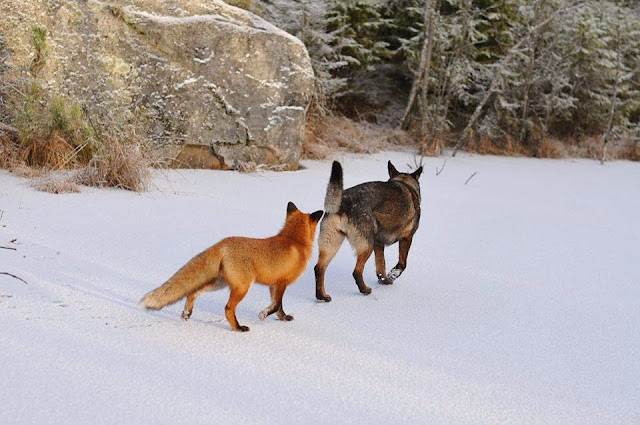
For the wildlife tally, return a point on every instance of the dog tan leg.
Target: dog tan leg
(329, 241)
(237, 294)
(381, 268)
(405, 245)
(363, 256)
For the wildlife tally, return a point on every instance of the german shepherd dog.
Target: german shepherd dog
(371, 216)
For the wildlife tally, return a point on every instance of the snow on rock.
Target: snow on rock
(519, 303)
(157, 61)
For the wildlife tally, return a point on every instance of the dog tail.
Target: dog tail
(334, 190)
(201, 269)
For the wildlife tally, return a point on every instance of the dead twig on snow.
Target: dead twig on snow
(15, 277)
(440, 171)
(470, 177)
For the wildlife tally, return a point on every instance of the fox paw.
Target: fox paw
(186, 315)
(287, 318)
(325, 298)
(382, 280)
(263, 314)
(242, 328)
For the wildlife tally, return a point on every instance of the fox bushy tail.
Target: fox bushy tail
(200, 270)
(333, 199)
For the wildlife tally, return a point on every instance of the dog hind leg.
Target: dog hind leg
(329, 241)
(363, 256)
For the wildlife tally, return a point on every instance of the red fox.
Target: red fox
(237, 262)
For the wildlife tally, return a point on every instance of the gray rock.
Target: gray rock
(211, 85)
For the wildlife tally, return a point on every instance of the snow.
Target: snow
(186, 82)
(205, 60)
(231, 18)
(520, 303)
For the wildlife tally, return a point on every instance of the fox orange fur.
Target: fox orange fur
(237, 262)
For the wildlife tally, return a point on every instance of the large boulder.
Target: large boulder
(211, 84)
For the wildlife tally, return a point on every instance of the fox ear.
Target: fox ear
(291, 207)
(392, 170)
(316, 216)
(416, 174)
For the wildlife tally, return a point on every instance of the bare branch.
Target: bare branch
(14, 276)
(440, 171)
(471, 176)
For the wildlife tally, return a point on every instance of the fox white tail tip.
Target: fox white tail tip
(150, 302)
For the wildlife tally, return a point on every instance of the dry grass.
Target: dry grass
(247, 167)
(252, 167)
(621, 149)
(507, 146)
(331, 133)
(54, 152)
(432, 147)
(551, 148)
(56, 184)
(117, 164)
(22, 170)
(8, 152)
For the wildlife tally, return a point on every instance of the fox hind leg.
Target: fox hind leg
(188, 305)
(277, 293)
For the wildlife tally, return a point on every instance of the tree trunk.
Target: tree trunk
(614, 98)
(427, 70)
(524, 131)
(425, 61)
(466, 10)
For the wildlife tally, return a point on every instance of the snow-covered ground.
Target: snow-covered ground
(520, 303)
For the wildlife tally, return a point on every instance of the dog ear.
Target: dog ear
(316, 216)
(392, 170)
(291, 207)
(416, 174)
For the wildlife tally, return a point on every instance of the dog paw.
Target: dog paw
(382, 280)
(394, 274)
(366, 290)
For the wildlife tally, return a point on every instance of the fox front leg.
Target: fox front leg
(236, 295)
